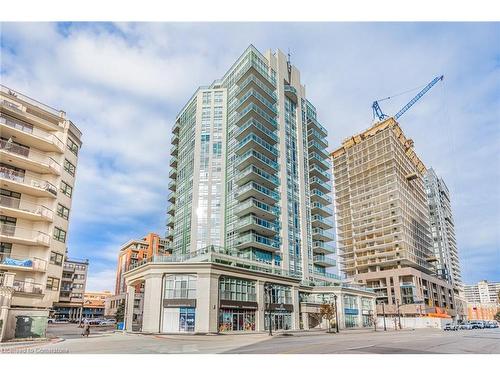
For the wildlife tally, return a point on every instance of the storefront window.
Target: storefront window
(186, 319)
(350, 302)
(279, 320)
(351, 321)
(236, 320)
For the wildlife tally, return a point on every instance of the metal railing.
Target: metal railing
(30, 153)
(29, 100)
(10, 230)
(30, 129)
(22, 205)
(25, 286)
(27, 178)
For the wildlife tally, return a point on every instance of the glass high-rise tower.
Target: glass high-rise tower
(250, 171)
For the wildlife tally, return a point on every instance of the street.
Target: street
(68, 339)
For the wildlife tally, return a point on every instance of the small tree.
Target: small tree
(497, 316)
(120, 312)
(327, 312)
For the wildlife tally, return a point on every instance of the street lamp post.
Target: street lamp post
(268, 289)
(336, 314)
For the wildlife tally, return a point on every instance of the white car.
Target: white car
(107, 322)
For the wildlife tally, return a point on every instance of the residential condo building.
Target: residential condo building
(249, 218)
(383, 228)
(483, 292)
(73, 283)
(39, 149)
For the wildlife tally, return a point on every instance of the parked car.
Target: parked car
(107, 322)
(61, 320)
(477, 324)
(450, 327)
(465, 326)
(51, 320)
(491, 324)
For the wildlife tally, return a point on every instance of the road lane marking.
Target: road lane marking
(360, 347)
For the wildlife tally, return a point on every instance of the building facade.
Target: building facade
(483, 300)
(93, 304)
(71, 296)
(383, 222)
(39, 149)
(249, 210)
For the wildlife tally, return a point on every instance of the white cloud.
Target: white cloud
(99, 281)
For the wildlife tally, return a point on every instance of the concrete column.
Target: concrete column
(8, 279)
(152, 304)
(305, 320)
(340, 307)
(207, 286)
(360, 312)
(296, 306)
(129, 307)
(261, 306)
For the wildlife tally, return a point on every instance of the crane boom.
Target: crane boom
(377, 111)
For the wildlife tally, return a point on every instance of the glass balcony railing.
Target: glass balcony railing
(320, 245)
(264, 159)
(252, 93)
(254, 138)
(28, 287)
(254, 237)
(27, 179)
(319, 126)
(325, 174)
(15, 232)
(274, 226)
(263, 87)
(321, 195)
(30, 129)
(322, 232)
(322, 219)
(253, 107)
(23, 205)
(30, 154)
(258, 204)
(252, 169)
(324, 185)
(322, 207)
(259, 126)
(324, 260)
(254, 186)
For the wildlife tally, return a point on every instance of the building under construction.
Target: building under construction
(383, 230)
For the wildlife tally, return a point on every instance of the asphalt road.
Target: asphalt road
(423, 341)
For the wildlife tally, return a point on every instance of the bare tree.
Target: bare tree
(327, 311)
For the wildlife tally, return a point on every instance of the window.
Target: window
(59, 234)
(72, 146)
(52, 283)
(66, 189)
(69, 167)
(56, 258)
(237, 289)
(180, 286)
(62, 211)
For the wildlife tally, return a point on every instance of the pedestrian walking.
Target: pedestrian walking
(86, 329)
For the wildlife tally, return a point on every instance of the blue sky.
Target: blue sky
(123, 85)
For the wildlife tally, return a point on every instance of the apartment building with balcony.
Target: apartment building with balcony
(39, 149)
(383, 222)
(249, 208)
(71, 295)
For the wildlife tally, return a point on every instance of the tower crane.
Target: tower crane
(377, 111)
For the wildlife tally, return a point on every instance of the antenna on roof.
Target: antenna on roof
(289, 67)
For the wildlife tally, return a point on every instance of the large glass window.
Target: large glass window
(180, 287)
(280, 294)
(350, 302)
(72, 146)
(69, 167)
(351, 321)
(237, 289)
(66, 189)
(279, 320)
(187, 319)
(236, 320)
(59, 234)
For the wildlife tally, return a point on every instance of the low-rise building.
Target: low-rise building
(71, 296)
(93, 305)
(217, 290)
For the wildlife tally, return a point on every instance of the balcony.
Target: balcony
(317, 160)
(258, 225)
(252, 82)
(176, 128)
(173, 162)
(319, 184)
(171, 197)
(171, 209)
(261, 161)
(18, 263)
(320, 197)
(253, 68)
(24, 210)
(327, 276)
(318, 209)
(27, 287)
(253, 96)
(257, 241)
(23, 236)
(173, 173)
(175, 139)
(319, 247)
(24, 132)
(313, 135)
(315, 171)
(321, 222)
(319, 234)
(312, 123)
(259, 192)
(318, 148)
(253, 111)
(291, 92)
(253, 126)
(252, 173)
(321, 260)
(170, 221)
(174, 151)
(172, 185)
(253, 141)
(28, 158)
(254, 206)
(26, 183)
